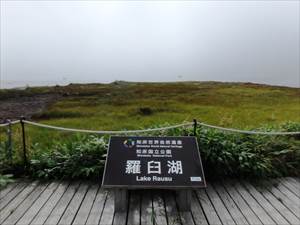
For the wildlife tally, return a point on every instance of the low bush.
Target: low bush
(79, 159)
(145, 111)
(5, 179)
(226, 154)
(223, 154)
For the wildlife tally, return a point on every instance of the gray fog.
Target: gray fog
(52, 42)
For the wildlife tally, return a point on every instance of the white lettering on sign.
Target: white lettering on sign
(155, 178)
(154, 167)
(133, 167)
(143, 178)
(197, 179)
(175, 167)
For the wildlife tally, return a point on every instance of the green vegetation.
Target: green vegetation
(82, 158)
(123, 105)
(5, 179)
(223, 154)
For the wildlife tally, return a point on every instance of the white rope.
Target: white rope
(153, 129)
(248, 131)
(107, 132)
(10, 123)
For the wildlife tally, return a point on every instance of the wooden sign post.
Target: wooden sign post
(153, 163)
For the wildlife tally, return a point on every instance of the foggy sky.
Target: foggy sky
(97, 41)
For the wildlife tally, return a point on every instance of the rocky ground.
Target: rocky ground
(15, 107)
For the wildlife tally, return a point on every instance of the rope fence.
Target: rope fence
(9, 123)
(194, 124)
(277, 133)
(249, 131)
(108, 132)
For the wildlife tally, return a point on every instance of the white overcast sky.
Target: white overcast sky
(49, 42)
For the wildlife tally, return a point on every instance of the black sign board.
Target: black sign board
(153, 162)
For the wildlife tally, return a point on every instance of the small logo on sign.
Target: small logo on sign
(196, 179)
(129, 143)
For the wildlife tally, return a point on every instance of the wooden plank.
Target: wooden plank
(4, 191)
(61, 206)
(12, 194)
(186, 218)
(25, 205)
(147, 215)
(257, 209)
(47, 208)
(208, 208)
(85, 208)
(289, 216)
(276, 216)
(290, 186)
(220, 208)
(294, 180)
(235, 212)
(38, 204)
(159, 208)
(108, 211)
(241, 203)
(74, 205)
(184, 198)
(120, 218)
(294, 208)
(97, 209)
(197, 211)
(171, 208)
(134, 215)
(9, 208)
(120, 199)
(289, 194)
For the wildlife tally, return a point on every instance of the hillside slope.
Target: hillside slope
(129, 105)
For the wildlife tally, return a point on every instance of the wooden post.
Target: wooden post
(121, 200)
(184, 198)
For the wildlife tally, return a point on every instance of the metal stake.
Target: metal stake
(9, 142)
(195, 127)
(24, 142)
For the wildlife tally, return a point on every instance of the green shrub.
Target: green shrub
(223, 154)
(240, 155)
(5, 179)
(82, 158)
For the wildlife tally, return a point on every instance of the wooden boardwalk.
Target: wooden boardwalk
(230, 202)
